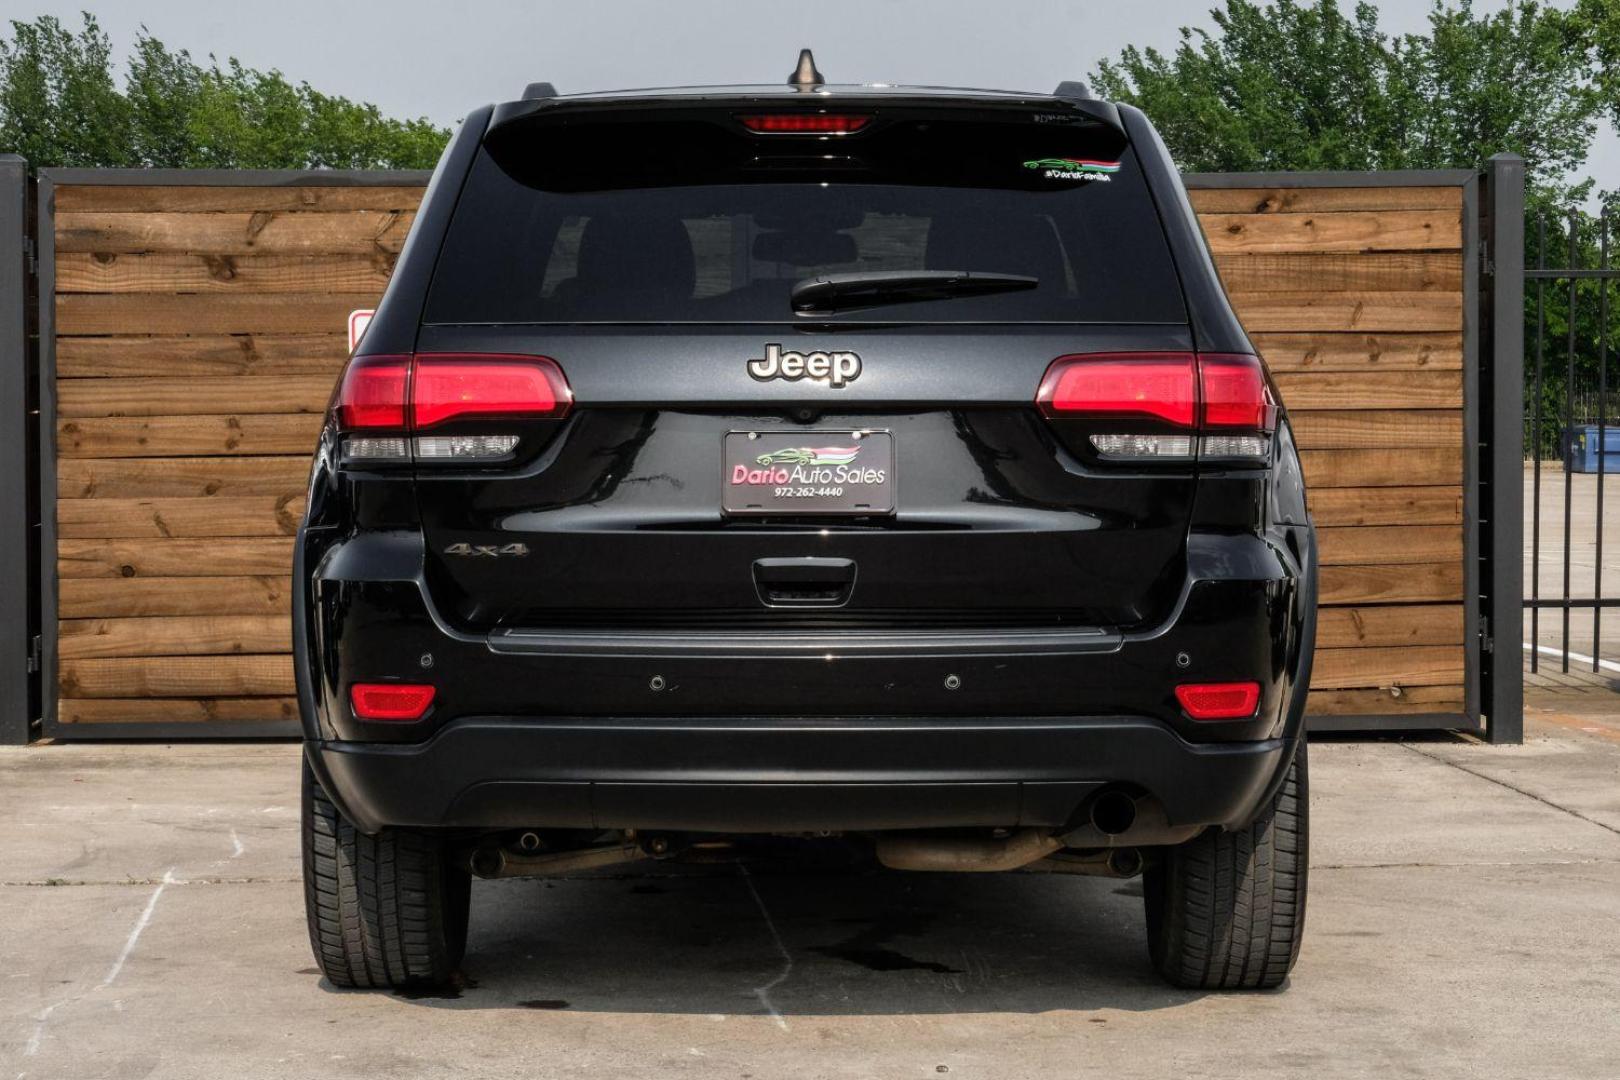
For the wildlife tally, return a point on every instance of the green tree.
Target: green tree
(1301, 85)
(60, 105)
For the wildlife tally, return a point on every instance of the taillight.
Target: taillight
(1220, 401)
(372, 394)
(390, 701)
(804, 123)
(1219, 701)
(383, 400)
(448, 386)
(1153, 386)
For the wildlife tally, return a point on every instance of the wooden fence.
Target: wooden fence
(197, 336)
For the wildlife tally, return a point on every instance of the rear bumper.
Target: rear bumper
(787, 774)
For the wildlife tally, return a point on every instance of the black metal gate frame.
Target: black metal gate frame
(19, 496)
(48, 181)
(1492, 510)
(1493, 256)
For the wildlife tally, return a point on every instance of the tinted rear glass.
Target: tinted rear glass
(691, 218)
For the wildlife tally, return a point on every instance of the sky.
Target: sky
(439, 59)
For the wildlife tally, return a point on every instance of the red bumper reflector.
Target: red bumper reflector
(804, 123)
(390, 701)
(1219, 701)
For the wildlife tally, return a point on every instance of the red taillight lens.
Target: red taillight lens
(1155, 386)
(390, 701)
(373, 391)
(449, 386)
(1219, 701)
(804, 123)
(1212, 390)
(1235, 392)
(400, 392)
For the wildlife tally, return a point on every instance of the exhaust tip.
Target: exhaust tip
(1113, 812)
(1125, 862)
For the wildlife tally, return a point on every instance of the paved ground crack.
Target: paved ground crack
(1513, 788)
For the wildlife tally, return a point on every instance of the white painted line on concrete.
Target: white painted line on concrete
(1579, 658)
(763, 991)
(44, 1017)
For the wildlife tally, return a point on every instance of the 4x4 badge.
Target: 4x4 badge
(836, 369)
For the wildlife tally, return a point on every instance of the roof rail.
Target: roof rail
(536, 91)
(1073, 89)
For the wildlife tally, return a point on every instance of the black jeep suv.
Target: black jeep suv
(871, 462)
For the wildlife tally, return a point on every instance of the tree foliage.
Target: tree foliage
(1305, 85)
(60, 105)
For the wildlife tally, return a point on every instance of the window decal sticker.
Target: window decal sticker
(1059, 168)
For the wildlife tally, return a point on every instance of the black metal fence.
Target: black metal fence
(19, 484)
(1570, 433)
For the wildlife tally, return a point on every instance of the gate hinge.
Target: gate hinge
(30, 256)
(1485, 265)
(33, 654)
(1486, 644)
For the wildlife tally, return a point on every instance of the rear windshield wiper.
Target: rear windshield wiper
(842, 292)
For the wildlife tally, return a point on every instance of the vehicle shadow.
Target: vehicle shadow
(771, 938)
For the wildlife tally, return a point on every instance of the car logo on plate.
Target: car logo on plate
(834, 369)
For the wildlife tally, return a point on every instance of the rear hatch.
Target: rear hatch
(795, 373)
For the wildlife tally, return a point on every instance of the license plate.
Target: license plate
(808, 472)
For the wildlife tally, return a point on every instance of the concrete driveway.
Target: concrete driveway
(1464, 922)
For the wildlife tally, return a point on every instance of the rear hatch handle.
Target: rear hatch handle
(804, 582)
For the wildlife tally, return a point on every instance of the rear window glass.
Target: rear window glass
(696, 220)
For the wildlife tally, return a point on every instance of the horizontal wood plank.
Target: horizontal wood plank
(1387, 230)
(206, 313)
(204, 635)
(1389, 701)
(224, 275)
(1351, 429)
(1300, 200)
(1388, 545)
(1423, 583)
(1382, 468)
(1334, 312)
(223, 711)
(184, 436)
(97, 598)
(1385, 506)
(354, 232)
(1370, 389)
(212, 557)
(131, 478)
(1400, 624)
(1336, 272)
(206, 355)
(173, 396)
(177, 676)
(1360, 352)
(196, 198)
(260, 515)
(1410, 665)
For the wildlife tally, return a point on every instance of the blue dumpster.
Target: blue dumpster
(1581, 449)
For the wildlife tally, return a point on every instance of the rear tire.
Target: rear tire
(1226, 909)
(384, 911)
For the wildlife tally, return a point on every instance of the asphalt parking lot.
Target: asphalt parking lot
(1464, 922)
